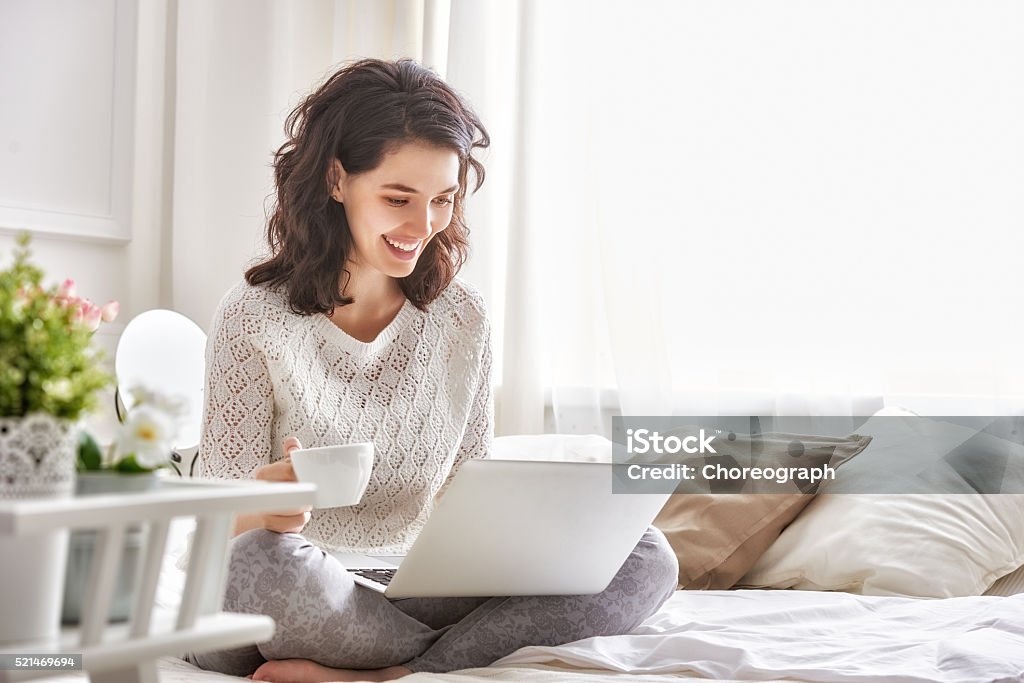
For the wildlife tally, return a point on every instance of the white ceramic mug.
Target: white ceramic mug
(340, 473)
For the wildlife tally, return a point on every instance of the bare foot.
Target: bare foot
(307, 671)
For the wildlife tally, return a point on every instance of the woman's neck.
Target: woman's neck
(377, 299)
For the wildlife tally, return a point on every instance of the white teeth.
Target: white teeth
(411, 246)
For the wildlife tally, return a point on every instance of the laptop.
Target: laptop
(510, 527)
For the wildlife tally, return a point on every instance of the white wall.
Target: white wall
(84, 133)
(237, 61)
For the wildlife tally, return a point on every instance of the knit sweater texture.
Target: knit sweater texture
(420, 391)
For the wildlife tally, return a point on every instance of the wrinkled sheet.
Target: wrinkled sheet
(754, 635)
(173, 670)
(810, 636)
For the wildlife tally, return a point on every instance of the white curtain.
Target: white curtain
(690, 207)
(776, 208)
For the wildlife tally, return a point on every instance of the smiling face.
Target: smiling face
(394, 210)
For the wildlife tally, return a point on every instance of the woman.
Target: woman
(356, 329)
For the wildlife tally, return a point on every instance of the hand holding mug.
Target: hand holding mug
(283, 521)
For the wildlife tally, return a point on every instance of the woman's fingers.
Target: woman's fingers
(281, 470)
(284, 521)
(291, 444)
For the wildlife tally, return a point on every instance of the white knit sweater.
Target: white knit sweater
(420, 392)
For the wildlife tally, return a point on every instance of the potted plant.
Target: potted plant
(49, 375)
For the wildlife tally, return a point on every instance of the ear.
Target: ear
(336, 181)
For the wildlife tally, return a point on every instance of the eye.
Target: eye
(393, 201)
(443, 201)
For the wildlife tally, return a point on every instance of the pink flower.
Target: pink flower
(91, 316)
(67, 290)
(83, 311)
(110, 311)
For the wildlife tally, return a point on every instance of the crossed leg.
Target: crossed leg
(331, 629)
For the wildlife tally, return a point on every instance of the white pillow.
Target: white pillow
(558, 447)
(924, 545)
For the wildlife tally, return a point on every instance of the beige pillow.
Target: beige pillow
(718, 537)
(1011, 584)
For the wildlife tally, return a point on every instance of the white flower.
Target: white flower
(150, 428)
(148, 434)
(176, 407)
(173, 406)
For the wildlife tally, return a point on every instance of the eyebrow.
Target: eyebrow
(406, 188)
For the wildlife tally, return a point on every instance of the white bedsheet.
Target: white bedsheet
(811, 636)
(766, 636)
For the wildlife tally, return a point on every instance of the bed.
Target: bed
(764, 635)
(889, 620)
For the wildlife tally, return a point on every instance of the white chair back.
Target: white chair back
(165, 351)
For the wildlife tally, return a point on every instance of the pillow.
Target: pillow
(718, 537)
(558, 447)
(1011, 584)
(954, 543)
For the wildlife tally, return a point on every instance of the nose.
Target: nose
(420, 226)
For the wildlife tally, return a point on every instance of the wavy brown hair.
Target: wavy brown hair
(358, 115)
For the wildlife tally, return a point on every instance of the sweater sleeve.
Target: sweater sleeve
(239, 407)
(479, 433)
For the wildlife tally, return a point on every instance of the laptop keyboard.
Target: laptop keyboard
(381, 576)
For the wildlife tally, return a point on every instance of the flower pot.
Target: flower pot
(37, 460)
(82, 544)
(37, 456)
(102, 482)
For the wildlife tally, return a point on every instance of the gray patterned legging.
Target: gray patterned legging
(324, 616)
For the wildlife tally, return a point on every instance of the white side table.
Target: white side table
(125, 653)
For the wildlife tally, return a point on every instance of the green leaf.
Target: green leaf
(128, 464)
(89, 455)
